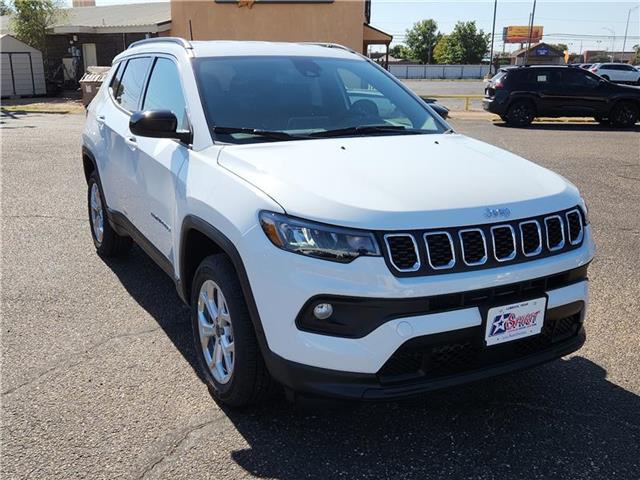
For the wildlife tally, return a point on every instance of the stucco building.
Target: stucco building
(335, 21)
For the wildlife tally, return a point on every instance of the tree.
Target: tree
(443, 53)
(465, 45)
(560, 46)
(32, 18)
(401, 51)
(5, 8)
(422, 39)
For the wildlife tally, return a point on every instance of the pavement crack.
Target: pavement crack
(176, 445)
(82, 357)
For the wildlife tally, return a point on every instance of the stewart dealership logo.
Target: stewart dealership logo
(509, 322)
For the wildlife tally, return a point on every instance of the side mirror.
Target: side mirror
(157, 124)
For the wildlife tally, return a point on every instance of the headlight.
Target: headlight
(317, 240)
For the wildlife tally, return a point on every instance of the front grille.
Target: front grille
(466, 353)
(474, 248)
(459, 249)
(504, 242)
(439, 250)
(574, 220)
(404, 252)
(555, 232)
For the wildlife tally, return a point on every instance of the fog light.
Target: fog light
(322, 311)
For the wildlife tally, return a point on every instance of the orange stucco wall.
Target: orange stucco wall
(337, 22)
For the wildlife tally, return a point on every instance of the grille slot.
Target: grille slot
(474, 246)
(504, 242)
(555, 232)
(574, 225)
(440, 252)
(403, 252)
(530, 238)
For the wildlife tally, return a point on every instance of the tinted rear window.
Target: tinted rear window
(132, 83)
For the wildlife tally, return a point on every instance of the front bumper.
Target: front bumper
(374, 387)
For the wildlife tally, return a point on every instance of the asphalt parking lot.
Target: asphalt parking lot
(97, 376)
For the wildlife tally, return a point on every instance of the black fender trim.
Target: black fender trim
(191, 222)
(87, 153)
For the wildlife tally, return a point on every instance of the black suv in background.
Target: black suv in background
(519, 94)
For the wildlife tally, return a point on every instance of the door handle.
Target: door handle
(101, 119)
(132, 142)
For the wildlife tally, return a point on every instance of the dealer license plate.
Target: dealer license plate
(515, 321)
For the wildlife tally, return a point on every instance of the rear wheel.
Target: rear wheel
(606, 77)
(521, 114)
(107, 242)
(624, 114)
(229, 357)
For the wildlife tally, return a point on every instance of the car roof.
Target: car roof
(233, 48)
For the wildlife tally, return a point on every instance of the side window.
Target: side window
(165, 91)
(132, 83)
(117, 78)
(577, 78)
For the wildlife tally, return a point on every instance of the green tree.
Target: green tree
(422, 39)
(401, 51)
(32, 18)
(5, 8)
(560, 46)
(465, 45)
(442, 53)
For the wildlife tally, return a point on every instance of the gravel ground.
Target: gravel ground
(97, 376)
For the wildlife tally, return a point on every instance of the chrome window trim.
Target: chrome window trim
(560, 246)
(453, 250)
(513, 240)
(484, 259)
(581, 235)
(417, 265)
(537, 250)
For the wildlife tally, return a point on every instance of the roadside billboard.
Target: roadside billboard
(520, 34)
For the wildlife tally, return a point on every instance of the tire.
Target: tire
(521, 113)
(606, 77)
(238, 376)
(107, 242)
(624, 114)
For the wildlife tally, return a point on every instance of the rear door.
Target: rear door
(159, 160)
(584, 94)
(547, 84)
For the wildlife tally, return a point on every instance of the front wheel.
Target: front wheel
(229, 356)
(521, 114)
(624, 114)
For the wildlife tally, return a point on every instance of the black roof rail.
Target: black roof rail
(180, 41)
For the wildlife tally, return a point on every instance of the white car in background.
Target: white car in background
(617, 72)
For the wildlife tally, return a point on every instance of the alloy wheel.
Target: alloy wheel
(97, 214)
(216, 332)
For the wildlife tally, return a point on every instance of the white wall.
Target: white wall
(439, 71)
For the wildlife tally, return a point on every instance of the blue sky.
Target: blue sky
(590, 23)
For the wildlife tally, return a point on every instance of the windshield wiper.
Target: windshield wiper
(364, 129)
(273, 135)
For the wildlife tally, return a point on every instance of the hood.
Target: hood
(399, 181)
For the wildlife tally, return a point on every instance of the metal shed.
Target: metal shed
(22, 70)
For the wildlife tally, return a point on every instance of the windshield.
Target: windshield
(289, 98)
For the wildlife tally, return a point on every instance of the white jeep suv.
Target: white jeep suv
(330, 232)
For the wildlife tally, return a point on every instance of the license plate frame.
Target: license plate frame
(514, 321)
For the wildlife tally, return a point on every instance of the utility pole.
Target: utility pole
(533, 14)
(613, 39)
(493, 34)
(626, 30)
